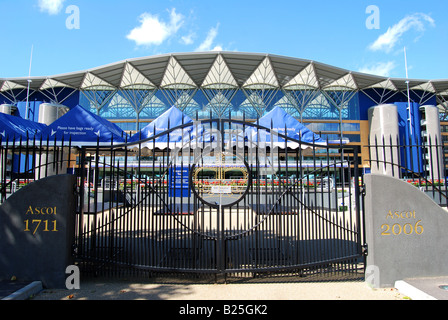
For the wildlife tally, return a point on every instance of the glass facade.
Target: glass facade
(330, 101)
(115, 106)
(207, 85)
(222, 92)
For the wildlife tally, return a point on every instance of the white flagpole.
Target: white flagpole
(29, 81)
(409, 98)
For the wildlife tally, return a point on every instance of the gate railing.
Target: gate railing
(150, 206)
(420, 163)
(23, 161)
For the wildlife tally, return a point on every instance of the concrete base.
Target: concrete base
(405, 232)
(26, 292)
(37, 231)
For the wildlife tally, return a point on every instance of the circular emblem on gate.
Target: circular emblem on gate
(220, 178)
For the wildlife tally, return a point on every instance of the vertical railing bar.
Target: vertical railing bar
(33, 163)
(81, 204)
(392, 163)
(428, 164)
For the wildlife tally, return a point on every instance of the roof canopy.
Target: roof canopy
(170, 119)
(83, 128)
(280, 122)
(15, 128)
(202, 69)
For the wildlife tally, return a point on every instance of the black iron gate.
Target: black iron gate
(220, 197)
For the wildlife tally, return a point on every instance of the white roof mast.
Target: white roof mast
(409, 98)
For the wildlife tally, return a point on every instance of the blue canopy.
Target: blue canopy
(279, 121)
(12, 127)
(83, 128)
(171, 118)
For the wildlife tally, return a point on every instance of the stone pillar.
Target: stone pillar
(48, 113)
(51, 163)
(432, 134)
(383, 123)
(405, 232)
(37, 231)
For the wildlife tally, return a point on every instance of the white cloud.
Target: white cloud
(387, 41)
(153, 30)
(380, 69)
(51, 6)
(208, 42)
(188, 39)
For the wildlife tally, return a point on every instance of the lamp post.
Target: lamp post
(409, 98)
(29, 83)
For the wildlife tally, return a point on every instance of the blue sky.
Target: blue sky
(75, 35)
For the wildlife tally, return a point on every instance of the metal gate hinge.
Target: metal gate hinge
(365, 250)
(363, 190)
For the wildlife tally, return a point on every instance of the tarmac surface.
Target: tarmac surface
(128, 290)
(94, 290)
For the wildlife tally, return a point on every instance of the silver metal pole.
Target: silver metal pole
(409, 98)
(28, 90)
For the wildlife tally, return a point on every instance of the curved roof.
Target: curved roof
(233, 69)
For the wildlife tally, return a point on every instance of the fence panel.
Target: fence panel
(219, 203)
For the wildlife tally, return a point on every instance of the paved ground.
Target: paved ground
(123, 290)
(430, 288)
(435, 288)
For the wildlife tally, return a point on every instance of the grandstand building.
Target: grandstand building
(333, 102)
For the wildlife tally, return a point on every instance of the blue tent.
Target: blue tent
(171, 118)
(279, 121)
(12, 127)
(83, 128)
